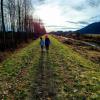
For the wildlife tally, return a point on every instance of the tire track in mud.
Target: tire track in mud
(44, 87)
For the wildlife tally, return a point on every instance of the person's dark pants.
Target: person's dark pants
(47, 47)
(41, 48)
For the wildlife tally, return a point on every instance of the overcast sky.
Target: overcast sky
(67, 14)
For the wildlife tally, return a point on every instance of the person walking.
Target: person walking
(42, 43)
(47, 43)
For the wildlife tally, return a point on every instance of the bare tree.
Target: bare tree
(11, 11)
(2, 16)
(17, 23)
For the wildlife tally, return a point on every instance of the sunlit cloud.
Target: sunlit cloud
(74, 14)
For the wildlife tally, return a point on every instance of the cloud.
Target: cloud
(78, 13)
(79, 8)
(83, 22)
(95, 17)
(78, 22)
(38, 2)
(94, 3)
(54, 26)
(59, 28)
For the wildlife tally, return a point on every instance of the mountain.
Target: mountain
(93, 28)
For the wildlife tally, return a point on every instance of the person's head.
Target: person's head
(46, 36)
(40, 38)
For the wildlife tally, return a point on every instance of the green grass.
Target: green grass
(82, 77)
(75, 77)
(11, 68)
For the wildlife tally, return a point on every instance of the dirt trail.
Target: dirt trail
(44, 87)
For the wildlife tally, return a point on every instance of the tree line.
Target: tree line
(17, 23)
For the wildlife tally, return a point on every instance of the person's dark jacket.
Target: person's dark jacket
(47, 41)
